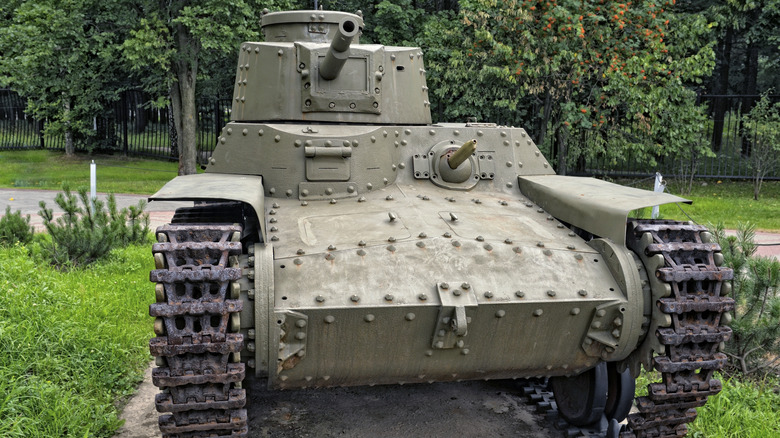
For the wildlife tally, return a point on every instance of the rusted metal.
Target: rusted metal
(200, 373)
(692, 340)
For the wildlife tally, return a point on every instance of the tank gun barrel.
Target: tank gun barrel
(339, 49)
(462, 154)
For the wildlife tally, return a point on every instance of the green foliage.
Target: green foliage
(61, 56)
(71, 343)
(85, 234)
(763, 125)
(612, 74)
(755, 344)
(15, 228)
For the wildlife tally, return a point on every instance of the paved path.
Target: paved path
(27, 200)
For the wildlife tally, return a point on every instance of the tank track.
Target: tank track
(197, 348)
(694, 304)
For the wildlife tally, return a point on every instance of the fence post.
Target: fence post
(40, 133)
(658, 187)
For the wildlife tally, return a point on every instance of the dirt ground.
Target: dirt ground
(466, 409)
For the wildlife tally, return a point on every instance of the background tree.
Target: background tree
(762, 124)
(176, 42)
(611, 75)
(61, 56)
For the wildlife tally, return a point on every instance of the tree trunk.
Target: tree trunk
(183, 101)
(69, 147)
(722, 87)
(545, 117)
(561, 140)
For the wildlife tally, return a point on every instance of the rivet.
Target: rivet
(508, 241)
(402, 165)
(389, 198)
(560, 225)
(354, 298)
(480, 133)
(361, 253)
(391, 248)
(520, 294)
(447, 234)
(410, 316)
(488, 294)
(260, 132)
(388, 297)
(480, 239)
(570, 247)
(422, 297)
(245, 132)
(456, 243)
(320, 299)
(422, 235)
(517, 249)
(488, 247)
(453, 217)
(330, 257)
(298, 262)
(331, 248)
(305, 192)
(460, 343)
(369, 186)
(300, 251)
(275, 239)
(547, 252)
(509, 185)
(596, 324)
(439, 344)
(300, 336)
(508, 164)
(465, 351)
(550, 293)
(538, 312)
(601, 312)
(420, 244)
(283, 378)
(362, 243)
(432, 132)
(391, 239)
(610, 350)
(582, 293)
(330, 319)
(362, 199)
(457, 292)
(368, 318)
(329, 191)
(504, 203)
(588, 341)
(578, 256)
(277, 138)
(465, 286)
(444, 285)
(540, 210)
(540, 244)
(500, 314)
(333, 201)
(429, 353)
(273, 229)
(617, 322)
(575, 311)
(572, 234)
(616, 333)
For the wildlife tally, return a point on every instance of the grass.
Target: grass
(729, 202)
(71, 343)
(43, 169)
(743, 409)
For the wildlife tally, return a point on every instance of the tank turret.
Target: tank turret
(341, 238)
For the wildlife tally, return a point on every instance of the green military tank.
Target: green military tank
(338, 237)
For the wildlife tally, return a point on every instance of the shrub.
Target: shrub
(15, 228)
(755, 344)
(85, 234)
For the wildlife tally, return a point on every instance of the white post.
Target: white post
(93, 184)
(658, 187)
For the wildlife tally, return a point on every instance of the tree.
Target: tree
(762, 125)
(614, 75)
(60, 55)
(173, 42)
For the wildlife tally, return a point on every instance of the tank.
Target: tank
(338, 237)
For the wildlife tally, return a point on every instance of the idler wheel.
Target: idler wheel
(582, 399)
(620, 393)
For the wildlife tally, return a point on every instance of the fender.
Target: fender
(596, 206)
(217, 187)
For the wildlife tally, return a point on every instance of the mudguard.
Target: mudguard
(217, 187)
(596, 206)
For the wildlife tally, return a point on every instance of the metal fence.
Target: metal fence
(134, 127)
(131, 126)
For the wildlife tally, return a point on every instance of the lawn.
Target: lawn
(729, 202)
(42, 169)
(71, 343)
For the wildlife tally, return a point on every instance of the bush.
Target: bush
(755, 344)
(85, 234)
(15, 228)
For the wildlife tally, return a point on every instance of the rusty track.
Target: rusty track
(197, 347)
(695, 307)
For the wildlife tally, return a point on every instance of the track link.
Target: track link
(695, 307)
(197, 347)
